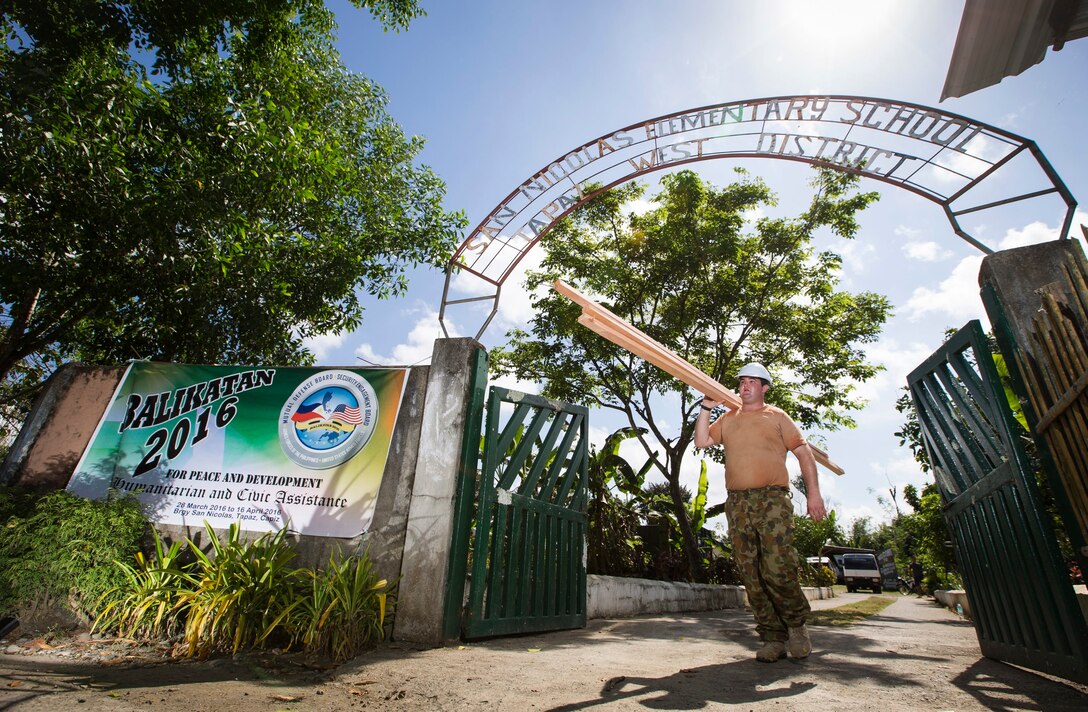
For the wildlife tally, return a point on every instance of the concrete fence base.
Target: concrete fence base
(615, 597)
(954, 601)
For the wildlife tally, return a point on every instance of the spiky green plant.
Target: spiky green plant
(345, 610)
(149, 603)
(240, 591)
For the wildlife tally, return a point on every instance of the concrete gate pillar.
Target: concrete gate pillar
(454, 376)
(1016, 278)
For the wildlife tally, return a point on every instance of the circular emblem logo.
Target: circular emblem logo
(328, 419)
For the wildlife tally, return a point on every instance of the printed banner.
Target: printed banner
(303, 448)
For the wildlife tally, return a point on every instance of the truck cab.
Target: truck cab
(861, 571)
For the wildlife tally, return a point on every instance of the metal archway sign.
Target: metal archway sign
(946, 158)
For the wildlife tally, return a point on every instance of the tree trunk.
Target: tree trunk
(21, 313)
(690, 542)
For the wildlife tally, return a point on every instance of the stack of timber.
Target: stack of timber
(1057, 380)
(600, 320)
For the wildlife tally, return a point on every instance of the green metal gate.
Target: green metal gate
(1022, 603)
(528, 571)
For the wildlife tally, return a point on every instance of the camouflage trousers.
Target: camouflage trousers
(761, 531)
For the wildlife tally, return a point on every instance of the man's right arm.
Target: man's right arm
(703, 436)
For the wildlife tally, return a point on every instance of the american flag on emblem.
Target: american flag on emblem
(346, 414)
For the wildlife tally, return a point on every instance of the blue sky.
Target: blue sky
(501, 89)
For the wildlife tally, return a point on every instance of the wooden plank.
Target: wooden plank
(601, 321)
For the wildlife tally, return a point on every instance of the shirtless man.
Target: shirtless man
(756, 438)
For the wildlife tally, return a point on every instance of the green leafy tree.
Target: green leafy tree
(655, 499)
(198, 181)
(809, 536)
(864, 535)
(861, 533)
(689, 275)
(923, 534)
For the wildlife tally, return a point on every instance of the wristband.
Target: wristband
(703, 406)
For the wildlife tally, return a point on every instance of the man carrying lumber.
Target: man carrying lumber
(756, 438)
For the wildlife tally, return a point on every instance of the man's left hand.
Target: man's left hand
(816, 509)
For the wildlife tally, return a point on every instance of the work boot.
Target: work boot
(800, 645)
(772, 651)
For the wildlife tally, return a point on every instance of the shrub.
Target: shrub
(825, 576)
(239, 591)
(811, 575)
(61, 547)
(344, 611)
(723, 570)
(247, 595)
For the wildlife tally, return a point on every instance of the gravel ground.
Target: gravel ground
(913, 656)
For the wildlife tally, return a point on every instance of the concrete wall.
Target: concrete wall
(1016, 276)
(46, 452)
(48, 448)
(615, 597)
(410, 538)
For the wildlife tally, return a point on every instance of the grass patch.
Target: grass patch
(851, 613)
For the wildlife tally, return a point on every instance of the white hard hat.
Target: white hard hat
(755, 370)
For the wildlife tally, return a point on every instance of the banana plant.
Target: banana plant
(606, 465)
(697, 511)
(614, 546)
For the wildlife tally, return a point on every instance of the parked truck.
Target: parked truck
(861, 571)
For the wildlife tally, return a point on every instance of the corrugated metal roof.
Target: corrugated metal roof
(1002, 38)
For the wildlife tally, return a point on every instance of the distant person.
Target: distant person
(916, 574)
(756, 438)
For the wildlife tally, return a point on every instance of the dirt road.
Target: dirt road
(913, 656)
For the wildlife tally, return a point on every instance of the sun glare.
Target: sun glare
(834, 27)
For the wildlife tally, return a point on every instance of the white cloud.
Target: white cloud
(752, 216)
(1032, 234)
(533, 387)
(845, 516)
(956, 296)
(902, 470)
(322, 344)
(597, 436)
(979, 153)
(638, 206)
(418, 346)
(514, 307)
(1011, 120)
(908, 232)
(928, 251)
(1037, 232)
(898, 359)
(855, 255)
